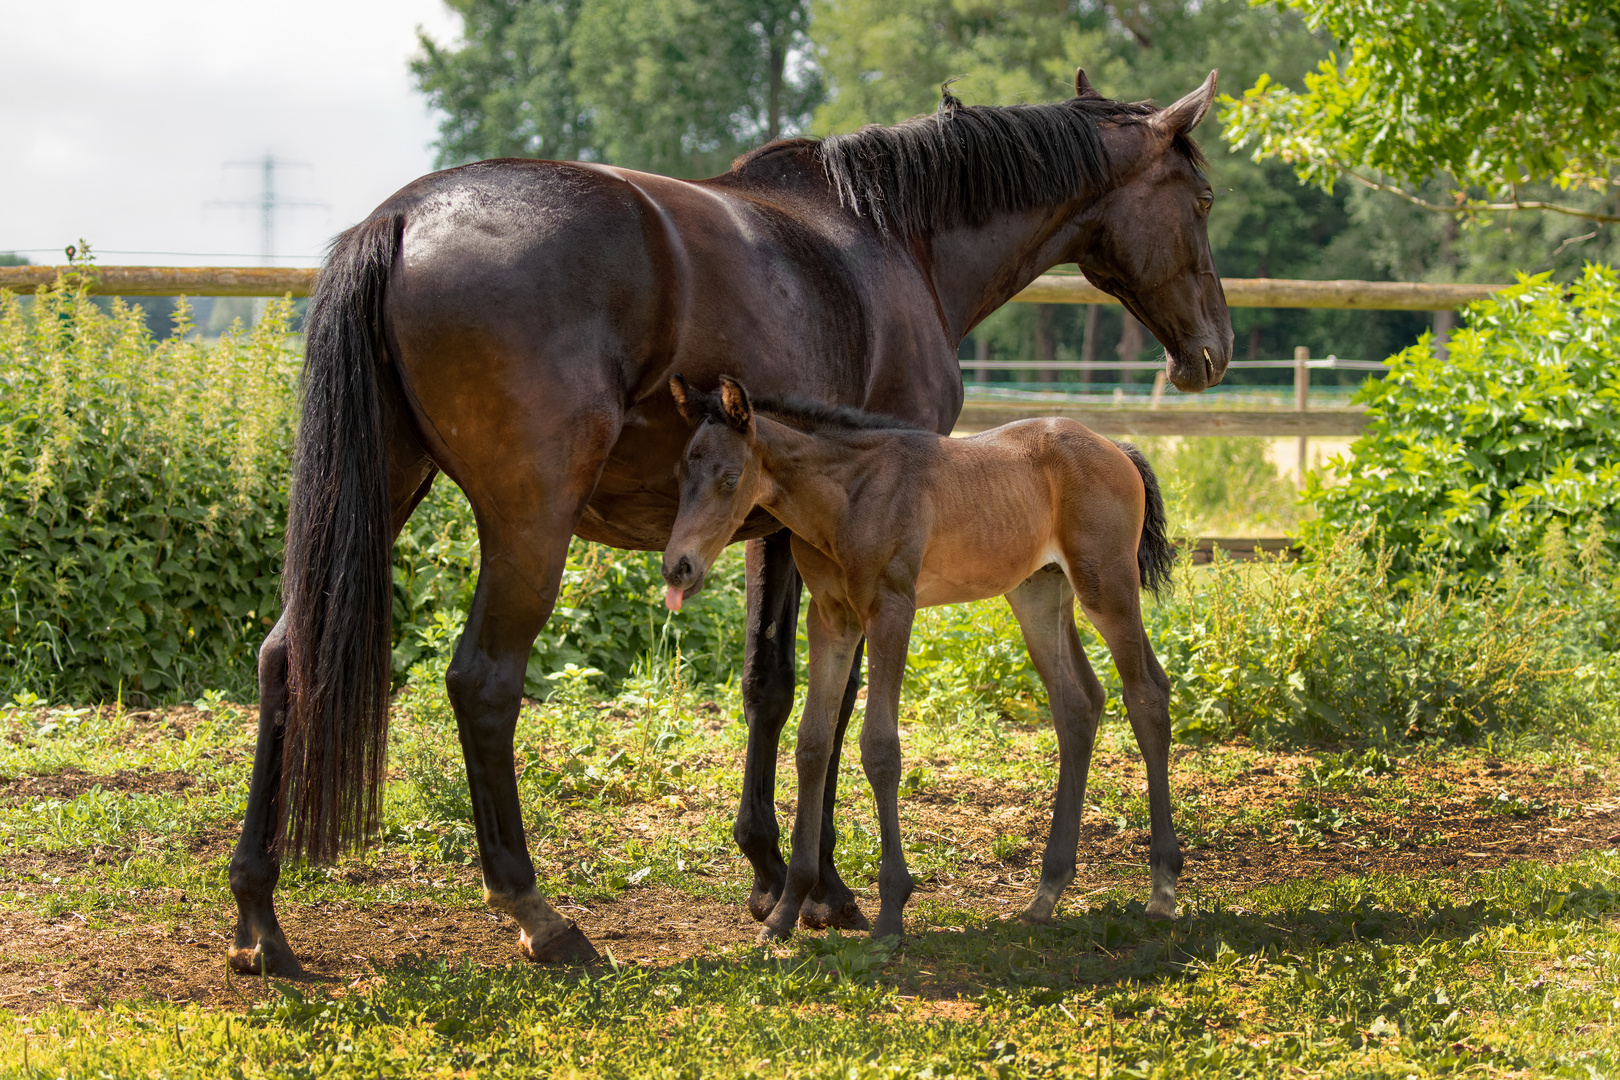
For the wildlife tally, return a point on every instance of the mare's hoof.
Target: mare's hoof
(1038, 913)
(762, 903)
(571, 947)
(266, 958)
(847, 916)
(887, 927)
(769, 935)
(1159, 911)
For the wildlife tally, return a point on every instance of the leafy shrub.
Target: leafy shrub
(140, 517)
(142, 502)
(1338, 650)
(1469, 459)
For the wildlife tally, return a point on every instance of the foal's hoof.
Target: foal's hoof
(268, 957)
(847, 916)
(761, 903)
(570, 947)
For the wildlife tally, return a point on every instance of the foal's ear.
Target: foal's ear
(1082, 85)
(683, 401)
(735, 404)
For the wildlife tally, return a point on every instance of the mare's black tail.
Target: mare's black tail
(1155, 554)
(336, 581)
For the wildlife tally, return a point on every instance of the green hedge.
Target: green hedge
(142, 501)
(1510, 440)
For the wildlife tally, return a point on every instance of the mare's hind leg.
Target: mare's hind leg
(518, 579)
(1044, 607)
(260, 945)
(1111, 597)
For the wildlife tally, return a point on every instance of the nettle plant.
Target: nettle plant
(140, 503)
(1508, 448)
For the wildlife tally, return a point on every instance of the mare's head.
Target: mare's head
(720, 482)
(1114, 186)
(1147, 240)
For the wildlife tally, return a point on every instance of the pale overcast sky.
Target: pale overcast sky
(118, 118)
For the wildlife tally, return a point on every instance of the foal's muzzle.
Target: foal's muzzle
(682, 578)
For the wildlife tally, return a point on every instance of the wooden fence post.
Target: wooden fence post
(1302, 393)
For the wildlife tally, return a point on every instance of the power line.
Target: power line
(269, 201)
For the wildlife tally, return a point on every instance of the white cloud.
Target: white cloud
(119, 118)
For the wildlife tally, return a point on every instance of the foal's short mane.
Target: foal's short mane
(819, 417)
(967, 162)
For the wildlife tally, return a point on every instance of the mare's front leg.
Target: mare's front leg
(1044, 607)
(888, 634)
(834, 637)
(767, 693)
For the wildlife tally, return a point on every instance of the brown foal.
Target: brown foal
(887, 519)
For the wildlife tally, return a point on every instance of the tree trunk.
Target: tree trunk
(773, 103)
(1046, 338)
(1130, 345)
(1088, 347)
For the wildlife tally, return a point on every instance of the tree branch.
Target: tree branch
(1487, 207)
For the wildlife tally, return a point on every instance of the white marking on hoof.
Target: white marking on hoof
(538, 922)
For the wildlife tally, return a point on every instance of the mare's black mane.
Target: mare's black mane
(966, 163)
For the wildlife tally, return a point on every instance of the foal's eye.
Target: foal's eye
(728, 481)
(1206, 203)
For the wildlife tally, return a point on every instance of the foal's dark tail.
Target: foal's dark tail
(1155, 554)
(336, 582)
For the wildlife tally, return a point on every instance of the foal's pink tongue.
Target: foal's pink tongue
(672, 598)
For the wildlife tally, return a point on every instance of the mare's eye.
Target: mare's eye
(1206, 202)
(728, 481)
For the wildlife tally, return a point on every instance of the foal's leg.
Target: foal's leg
(1111, 597)
(888, 634)
(767, 692)
(260, 945)
(834, 637)
(1045, 610)
(831, 902)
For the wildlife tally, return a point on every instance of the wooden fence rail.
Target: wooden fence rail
(1047, 289)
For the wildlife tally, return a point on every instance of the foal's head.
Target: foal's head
(720, 482)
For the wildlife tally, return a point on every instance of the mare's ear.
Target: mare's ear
(1184, 115)
(1082, 85)
(735, 404)
(683, 401)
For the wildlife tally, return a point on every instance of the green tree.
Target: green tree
(673, 86)
(1494, 96)
(505, 90)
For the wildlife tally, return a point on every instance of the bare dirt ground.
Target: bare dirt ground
(126, 955)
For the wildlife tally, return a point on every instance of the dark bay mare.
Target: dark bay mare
(514, 324)
(886, 520)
